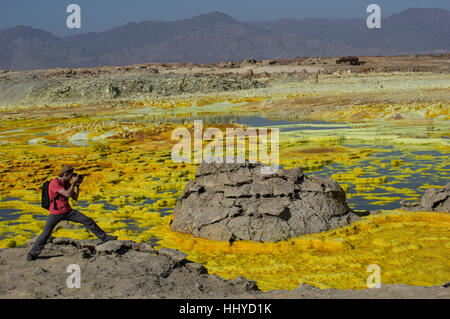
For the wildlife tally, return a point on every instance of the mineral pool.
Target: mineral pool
(132, 185)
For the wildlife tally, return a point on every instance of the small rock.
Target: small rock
(145, 247)
(90, 243)
(434, 200)
(249, 285)
(113, 246)
(437, 199)
(62, 241)
(174, 254)
(196, 267)
(85, 253)
(77, 243)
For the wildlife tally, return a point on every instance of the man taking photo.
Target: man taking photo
(60, 190)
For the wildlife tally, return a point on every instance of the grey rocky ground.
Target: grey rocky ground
(118, 85)
(125, 269)
(114, 88)
(116, 269)
(240, 202)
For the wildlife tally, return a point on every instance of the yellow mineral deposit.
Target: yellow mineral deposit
(130, 178)
(402, 244)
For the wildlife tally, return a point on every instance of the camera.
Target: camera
(80, 177)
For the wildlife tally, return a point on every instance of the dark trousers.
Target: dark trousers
(53, 220)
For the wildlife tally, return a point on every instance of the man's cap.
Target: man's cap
(66, 168)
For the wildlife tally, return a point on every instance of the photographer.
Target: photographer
(60, 190)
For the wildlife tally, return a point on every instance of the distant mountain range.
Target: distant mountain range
(217, 37)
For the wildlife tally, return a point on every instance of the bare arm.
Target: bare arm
(76, 190)
(67, 192)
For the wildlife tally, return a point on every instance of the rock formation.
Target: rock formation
(115, 269)
(239, 202)
(434, 200)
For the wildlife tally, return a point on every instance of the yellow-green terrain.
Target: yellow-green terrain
(383, 136)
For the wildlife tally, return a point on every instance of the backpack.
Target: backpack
(45, 198)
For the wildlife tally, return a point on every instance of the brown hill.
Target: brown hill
(217, 37)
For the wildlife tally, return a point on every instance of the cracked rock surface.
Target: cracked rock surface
(240, 201)
(115, 269)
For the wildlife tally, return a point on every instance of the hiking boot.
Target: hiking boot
(108, 238)
(31, 257)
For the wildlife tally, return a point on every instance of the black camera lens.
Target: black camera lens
(80, 177)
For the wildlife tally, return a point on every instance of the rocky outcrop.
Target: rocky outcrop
(239, 202)
(434, 200)
(115, 269)
(119, 87)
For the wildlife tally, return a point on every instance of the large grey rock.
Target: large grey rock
(239, 201)
(434, 200)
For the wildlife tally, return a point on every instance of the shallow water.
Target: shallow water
(422, 172)
(369, 136)
(419, 163)
(287, 126)
(133, 185)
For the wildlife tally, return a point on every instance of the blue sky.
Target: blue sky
(99, 15)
